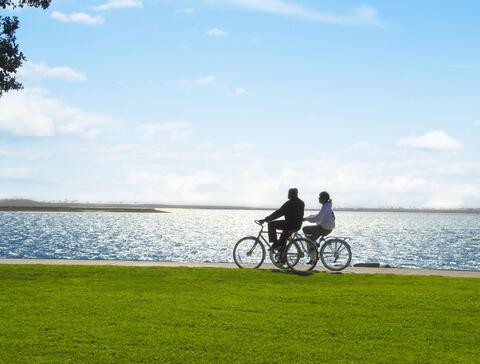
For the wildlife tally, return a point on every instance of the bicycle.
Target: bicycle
(299, 253)
(335, 252)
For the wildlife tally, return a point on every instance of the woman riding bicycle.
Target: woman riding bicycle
(324, 220)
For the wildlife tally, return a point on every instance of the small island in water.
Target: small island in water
(39, 206)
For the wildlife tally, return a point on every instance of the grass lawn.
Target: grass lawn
(119, 314)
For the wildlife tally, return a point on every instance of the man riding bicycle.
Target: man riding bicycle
(293, 211)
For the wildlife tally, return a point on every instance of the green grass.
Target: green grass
(116, 314)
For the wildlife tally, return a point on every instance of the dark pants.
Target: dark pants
(313, 232)
(272, 233)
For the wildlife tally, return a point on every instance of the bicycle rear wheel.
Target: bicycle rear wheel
(302, 255)
(249, 252)
(336, 254)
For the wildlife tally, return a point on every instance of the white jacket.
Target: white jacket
(325, 217)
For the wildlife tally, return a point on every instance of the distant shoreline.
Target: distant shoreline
(40, 206)
(76, 209)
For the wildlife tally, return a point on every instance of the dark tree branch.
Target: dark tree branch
(22, 3)
(11, 57)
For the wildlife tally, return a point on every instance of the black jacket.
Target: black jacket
(293, 211)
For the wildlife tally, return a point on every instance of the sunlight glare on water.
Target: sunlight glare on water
(434, 240)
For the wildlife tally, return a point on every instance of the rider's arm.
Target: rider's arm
(279, 213)
(318, 217)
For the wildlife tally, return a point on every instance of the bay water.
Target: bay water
(401, 239)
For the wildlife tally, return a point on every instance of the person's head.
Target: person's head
(324, 197)
(292, 193)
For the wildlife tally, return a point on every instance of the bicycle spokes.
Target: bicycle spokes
(249, 252)
(301, 255)
(336, 254)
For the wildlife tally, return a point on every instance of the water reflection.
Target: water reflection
(401, 239)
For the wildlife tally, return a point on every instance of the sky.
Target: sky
(233, 102)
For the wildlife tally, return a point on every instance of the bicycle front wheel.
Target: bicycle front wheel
(302, 255)
(336, 254)
(249, 252)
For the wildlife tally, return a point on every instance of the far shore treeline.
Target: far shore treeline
(32, 205)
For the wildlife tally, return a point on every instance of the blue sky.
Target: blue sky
(235, 101)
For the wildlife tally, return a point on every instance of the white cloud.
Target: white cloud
(187, 11)
(176, 131)
(32, 113)
(28, 154)
(204, 80)
(243, 147)
(203, 186)
(78, 18)
(17, 173)
(245, 174)
(180, 135)
(434, 140)
(159, 186)
(119, 4)
(364, 15)
(441, 201)
(239, 91)
(404, 184)
(245, 179)
(453, 196)
(41, 70)
(203, 147)
(360, 146)
(216, 33)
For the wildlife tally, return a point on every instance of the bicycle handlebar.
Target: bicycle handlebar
(257, 222)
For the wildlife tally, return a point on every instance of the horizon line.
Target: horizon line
(24, 202)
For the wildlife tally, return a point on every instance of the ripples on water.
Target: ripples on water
(402, 239)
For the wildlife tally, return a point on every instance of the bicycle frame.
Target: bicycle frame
(294, 235)
(324, 239)
(260, 239)
(260, 236)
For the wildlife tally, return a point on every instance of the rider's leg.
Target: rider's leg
(309, 231)
(313, 232)
(273, 226)
(272, 232)
(281, 245)
(324, 232)
(283, 239)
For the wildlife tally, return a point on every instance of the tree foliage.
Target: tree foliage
(11, 57)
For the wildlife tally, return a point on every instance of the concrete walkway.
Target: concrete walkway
(136, 263)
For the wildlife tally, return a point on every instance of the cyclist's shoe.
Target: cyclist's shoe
(278, 258)
(274, 247)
